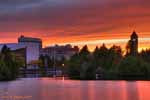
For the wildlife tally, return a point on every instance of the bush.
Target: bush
(133, 68)
(9, 65)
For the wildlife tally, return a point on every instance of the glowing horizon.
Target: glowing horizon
(92, 43)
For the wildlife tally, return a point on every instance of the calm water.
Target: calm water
(49, 89)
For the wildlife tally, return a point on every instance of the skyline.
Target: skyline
(75, 21)
(97, 43)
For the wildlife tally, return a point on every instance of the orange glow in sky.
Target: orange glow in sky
(76, 22)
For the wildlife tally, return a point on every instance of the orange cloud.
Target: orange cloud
(76, 22)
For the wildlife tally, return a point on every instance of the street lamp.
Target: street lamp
(63, 65)
(63, 69)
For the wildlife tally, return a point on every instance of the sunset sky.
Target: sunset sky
(78, 22)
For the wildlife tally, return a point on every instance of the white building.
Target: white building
(32, 45)
(60, 52)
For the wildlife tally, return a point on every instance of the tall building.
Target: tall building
(132, 47)
(31, 46)
(28, 40)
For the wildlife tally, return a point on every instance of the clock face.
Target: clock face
(134, 40)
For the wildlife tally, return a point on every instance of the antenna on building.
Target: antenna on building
(22, 36)
(132, 27)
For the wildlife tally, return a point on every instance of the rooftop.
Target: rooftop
(28, 39)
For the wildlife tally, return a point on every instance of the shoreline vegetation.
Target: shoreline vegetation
(109, 64)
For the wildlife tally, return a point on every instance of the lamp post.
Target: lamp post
(63, 69)
(54, 67)
(63, 72)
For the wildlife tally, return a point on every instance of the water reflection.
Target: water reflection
(143, 90)
(132, 93)
(49, 89)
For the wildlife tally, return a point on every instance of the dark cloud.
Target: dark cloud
(15, 2)
(72, 17)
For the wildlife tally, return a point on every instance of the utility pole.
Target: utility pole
(54, 67)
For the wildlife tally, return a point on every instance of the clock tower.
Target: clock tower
(134, 44)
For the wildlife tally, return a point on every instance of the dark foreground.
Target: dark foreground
(59, 89)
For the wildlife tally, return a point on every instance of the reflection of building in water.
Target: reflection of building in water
(132, 47)
(31, 47)
(60, 52)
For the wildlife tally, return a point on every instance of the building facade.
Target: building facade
(32, 47)
(21, 55)
(59, 52)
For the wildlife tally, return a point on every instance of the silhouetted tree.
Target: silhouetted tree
(84, 50)
(9, 65)
(96, 51)
(74, 66)
(145, 55)
(133, 68)
(128, 48)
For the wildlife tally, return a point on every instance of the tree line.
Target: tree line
(108, 63)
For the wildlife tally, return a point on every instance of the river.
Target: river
(59, 89)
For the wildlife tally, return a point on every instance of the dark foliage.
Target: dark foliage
(108, 64)
(9, 65)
